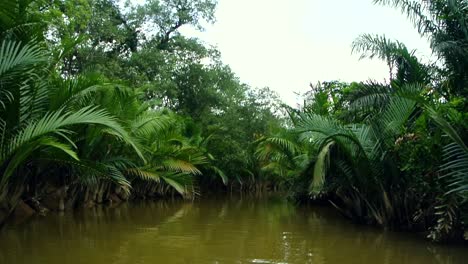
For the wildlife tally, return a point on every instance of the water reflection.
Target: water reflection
(237, 230)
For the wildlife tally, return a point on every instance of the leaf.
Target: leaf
(320, 169)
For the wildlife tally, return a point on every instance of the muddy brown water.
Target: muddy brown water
(224, 230)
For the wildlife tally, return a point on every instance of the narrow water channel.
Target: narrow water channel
(236, 230)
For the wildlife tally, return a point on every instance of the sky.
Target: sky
(288, 44)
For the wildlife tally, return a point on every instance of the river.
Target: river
(224, 230)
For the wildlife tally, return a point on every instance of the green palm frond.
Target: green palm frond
(395, 116)
(371, 96)
(18, 60)
(18, 69)
(285, 144)
(7, 12)
(150, 123)
(182, 166)
(404, 67)
(220, 173)
(320, 130)
(455, 168)
(355, 143)
(33, 101)
(182, 183)
(54, 143)
(55, 123)
(18, 22)
(374, 98)
(144, 174)
(412, 91)
(90, 173)
(25, 141)
(76, 91)
(320, 169)
(446, 127)
(367, 138)
(371, 46)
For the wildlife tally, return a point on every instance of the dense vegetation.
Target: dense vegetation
(101, 102)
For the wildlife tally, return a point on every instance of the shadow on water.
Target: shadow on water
(214, 230)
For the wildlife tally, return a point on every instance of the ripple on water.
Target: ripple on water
(213, 231)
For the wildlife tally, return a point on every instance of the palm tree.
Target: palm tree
(444, 22)
(358, 157)
(29, 125)
(281, 159)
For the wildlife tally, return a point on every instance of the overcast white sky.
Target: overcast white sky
(286, 44)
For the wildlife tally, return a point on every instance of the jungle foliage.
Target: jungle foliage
(102, 101)
(395, 153)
